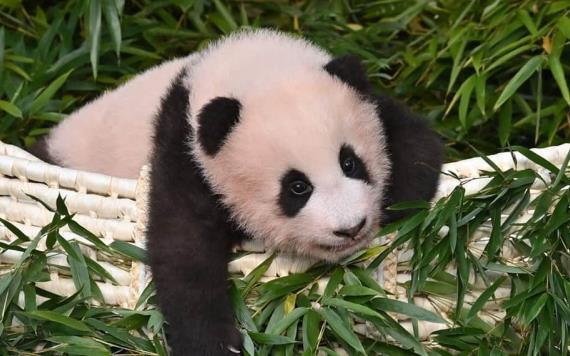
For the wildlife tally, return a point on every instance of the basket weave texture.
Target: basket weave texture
(115, 209)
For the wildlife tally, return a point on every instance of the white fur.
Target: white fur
(294, 115)
(112, 134)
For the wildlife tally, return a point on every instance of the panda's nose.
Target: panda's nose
(350, 232)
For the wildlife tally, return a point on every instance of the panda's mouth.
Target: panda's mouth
(346, 244)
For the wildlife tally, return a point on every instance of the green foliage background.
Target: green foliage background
(488, 74)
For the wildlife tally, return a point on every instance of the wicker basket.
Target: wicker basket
(114, 208)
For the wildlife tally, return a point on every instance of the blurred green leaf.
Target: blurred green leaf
(41, 100)
(520, 77)
(94, 33)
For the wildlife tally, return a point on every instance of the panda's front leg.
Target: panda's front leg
(189, 257)
(188, 239)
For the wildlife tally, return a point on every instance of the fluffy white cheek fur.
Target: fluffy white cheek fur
(328, 210)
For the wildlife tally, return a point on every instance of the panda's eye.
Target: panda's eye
(300, 188)
(351, 165)
(348, 166)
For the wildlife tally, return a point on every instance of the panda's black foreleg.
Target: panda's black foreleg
(188, 239)
(189, 263)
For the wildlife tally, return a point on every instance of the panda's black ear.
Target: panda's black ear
(350, 70)
(416, 153)
(215, 122)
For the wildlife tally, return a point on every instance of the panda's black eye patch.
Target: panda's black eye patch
(296, 189)
(351, 165)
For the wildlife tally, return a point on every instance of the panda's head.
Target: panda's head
(304, 166)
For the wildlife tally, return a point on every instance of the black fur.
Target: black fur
(416, 153)
(350, 70)
(189, 240)
(359, 171)
(289, 203)
(40, 150)
(216, 120)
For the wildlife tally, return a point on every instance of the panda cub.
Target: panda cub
(261, 135)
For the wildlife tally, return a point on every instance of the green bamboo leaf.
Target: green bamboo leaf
(48, 93)
(268, 339)
(452, 232)
(2, 48)
(18, 70)
(480, 84)
(483, 298)
(557, 69)
(253, 277)
(524, 17)
(562, 172)
(241, 311)
(341, 328)
(80, 345)
(83, 232)
(563, 25)
(311, 330)
(520, 77)
(505, 120)
(353, 307)
(334, 280)
(128, 249)
(357, 291)
(98, 270)
(58, 318)
(412, 310)
(559, 216)
(248, 346)
(467, 86)
(112, 19)
(94, 33)
(79, 271)
(282, 325)
(496, 267)
(13, 229)
(10, 109)
(226, 15)
(282, 286)
(534, 307)
(496, 238)
(457, 47)
(534, 157)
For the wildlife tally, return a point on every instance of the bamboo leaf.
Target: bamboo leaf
(519, 79)
(94, 34)
(112, 18)
(41, 100)
(340, 328)
(269, 339)
(483, 298)
(556, 68)
(58, 318)
(353, 307)
(284, 323)
(10, 109)
(411, 310)
(311, 328)
(563, 25)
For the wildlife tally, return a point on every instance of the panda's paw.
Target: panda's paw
(232, 341)
(222, 339)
